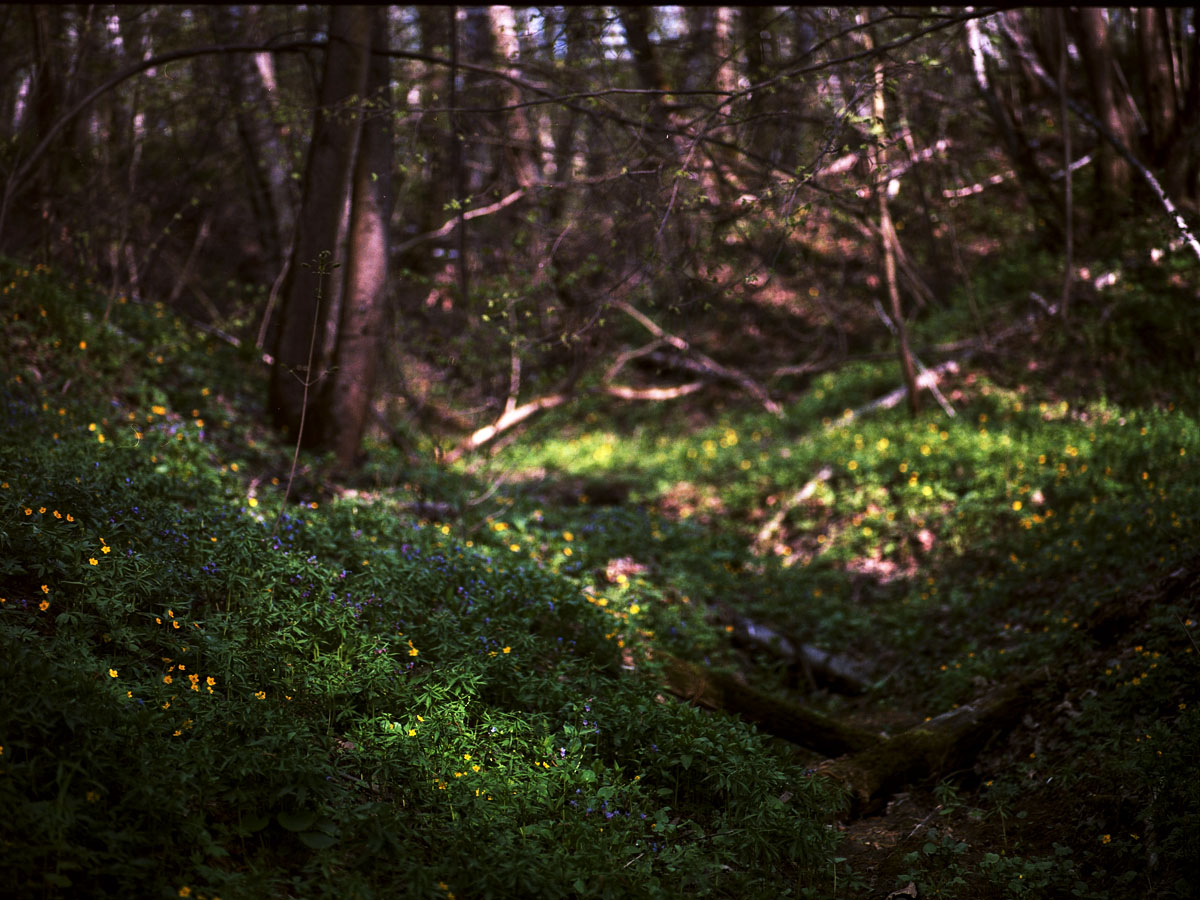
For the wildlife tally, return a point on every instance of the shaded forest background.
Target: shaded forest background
(438, 221)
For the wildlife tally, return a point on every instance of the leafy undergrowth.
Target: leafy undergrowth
(948, 555)
(446, 687)
(208, 696)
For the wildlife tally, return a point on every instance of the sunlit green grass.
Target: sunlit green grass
(1007, 492)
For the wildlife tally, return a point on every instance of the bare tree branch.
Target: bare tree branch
(510, 417)
(671, 393)
(748, 384)
(450, 225)
(767, 532)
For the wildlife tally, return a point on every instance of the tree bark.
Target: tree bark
(1158, 80)
(295, 378)
(1114, 172)
(346, 403)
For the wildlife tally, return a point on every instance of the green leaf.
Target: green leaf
(296, 821)
(254, 823)
(317, 840)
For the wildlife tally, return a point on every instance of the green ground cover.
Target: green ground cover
(210, 694)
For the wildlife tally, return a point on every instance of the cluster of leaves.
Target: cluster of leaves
(208, 695)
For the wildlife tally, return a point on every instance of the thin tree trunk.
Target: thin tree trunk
(888, 234)
(1114, 171)
(671, 154)
(568, 124)
(346, 406)
(330, 163)
(459, 164)
(265, 153)
(759, 131)
(46, 99)
(1068, 193)
(1113, 141)
(1158, 79)
(519, 140)
(435, 139)
(1031, 178)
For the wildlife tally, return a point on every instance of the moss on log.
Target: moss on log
(870, 767)
(935, 748)
(790, 721)
(866, 765)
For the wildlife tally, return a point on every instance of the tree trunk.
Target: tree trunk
(568, 123)
(1113, 171)
(434, 139)
(637, 21)
(480, 140)
(346, 406)
(46, 99)
(296, 376)
(1158, 80)
(518, 140)
(946, 743)
(790, 721)
(759, 132)
(1183, 168)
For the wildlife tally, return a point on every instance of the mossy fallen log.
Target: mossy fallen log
(790, 721)
(870, 767)
(833, 671)
(944, 744)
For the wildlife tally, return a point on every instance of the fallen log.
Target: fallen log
(833, 671)
(945, 743)
(870, 768)
(792, 722)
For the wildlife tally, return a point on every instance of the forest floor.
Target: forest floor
(375, 665)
